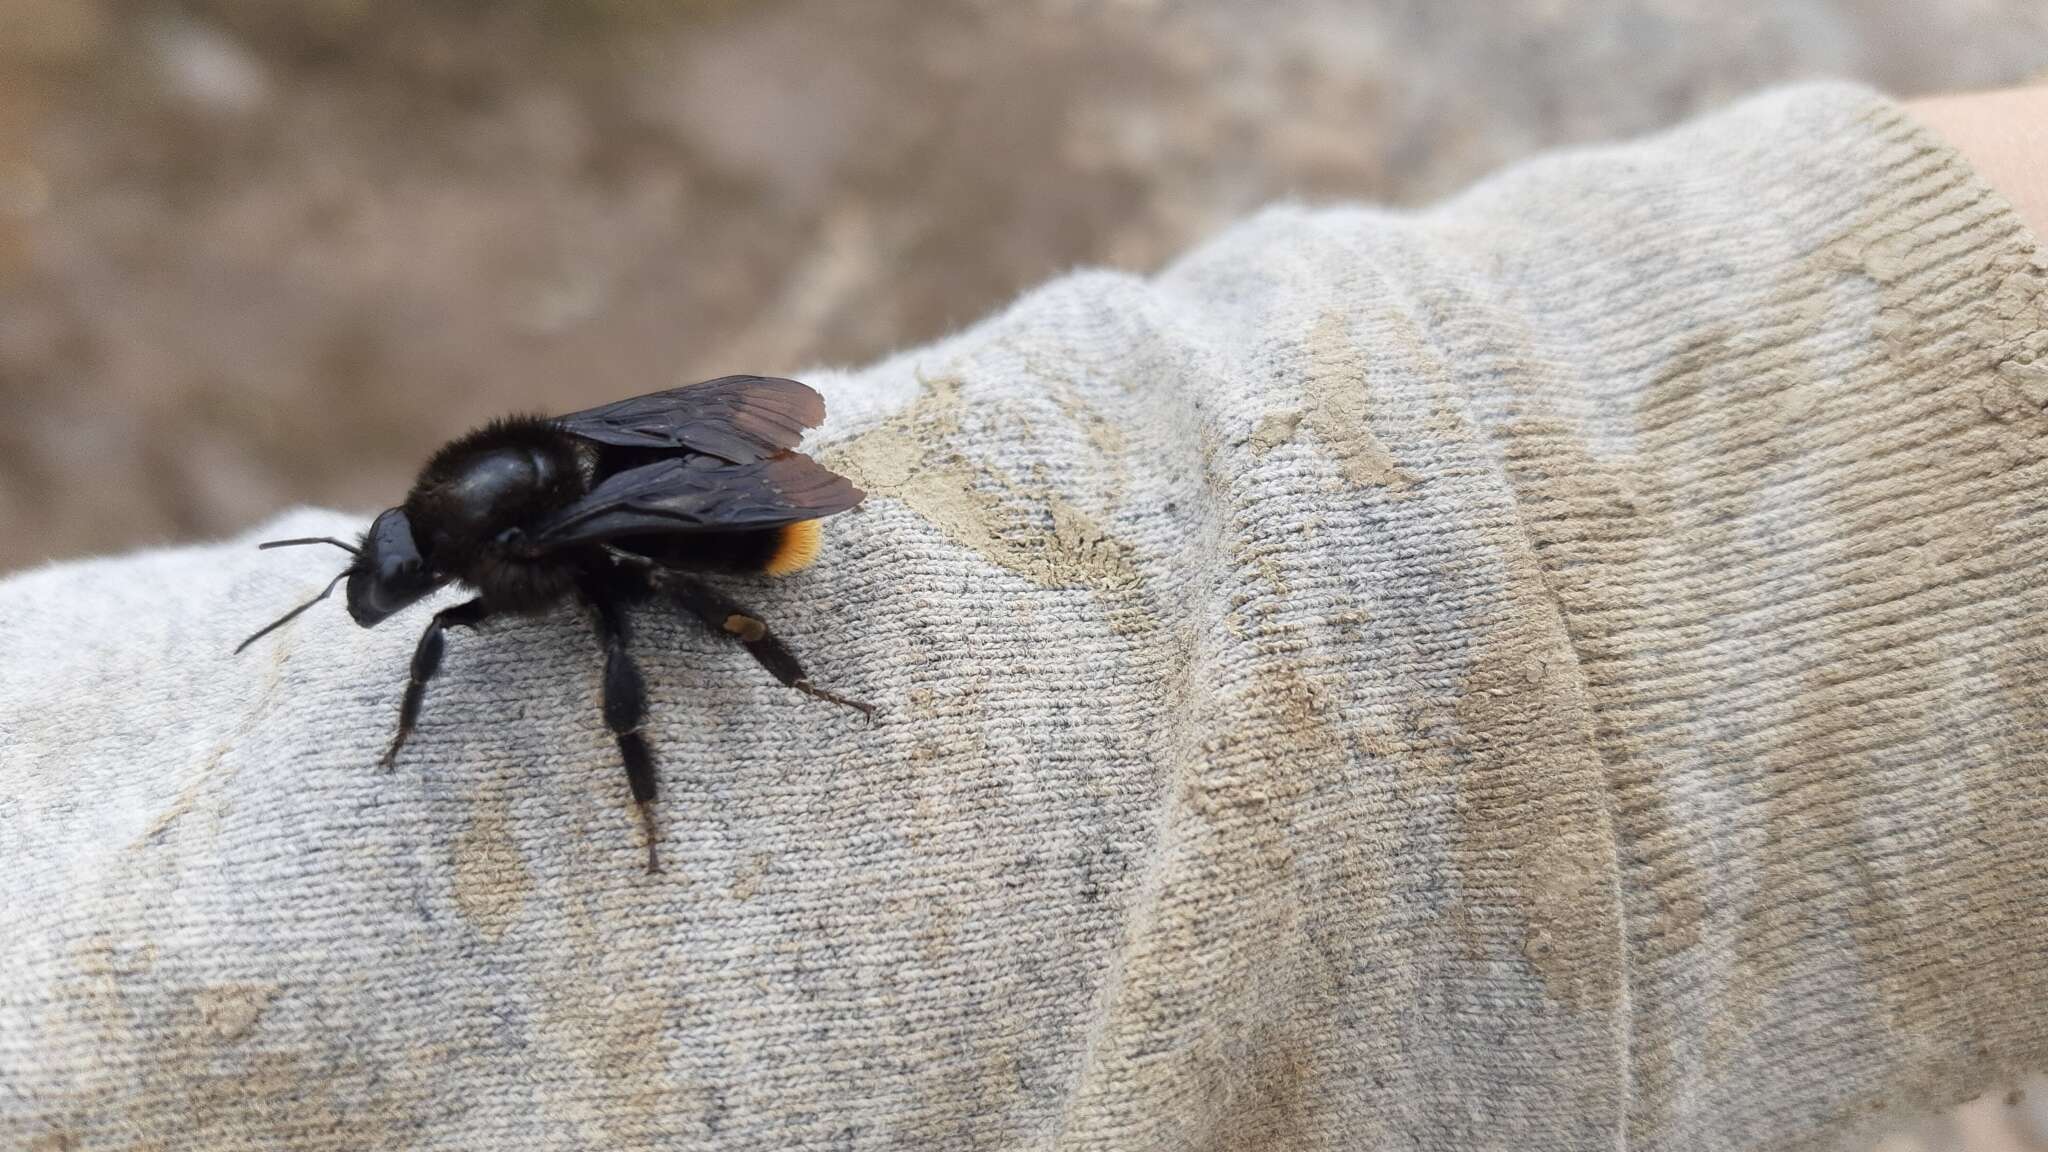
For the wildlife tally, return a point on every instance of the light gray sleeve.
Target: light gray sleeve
(1561, 670)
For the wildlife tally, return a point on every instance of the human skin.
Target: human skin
(2004, 134)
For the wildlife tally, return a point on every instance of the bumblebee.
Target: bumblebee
(607, 507)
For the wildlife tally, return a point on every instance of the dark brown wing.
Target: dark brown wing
(690, 494)
(739, 419)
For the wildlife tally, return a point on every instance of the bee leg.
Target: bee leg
(722, 615)
(426, 660)
(625, 706)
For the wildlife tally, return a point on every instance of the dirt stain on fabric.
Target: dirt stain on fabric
(229, 1011)
(1339, 406)
(604, 1015)
(491, 877)
(1534, 842)
(1904, 680)
(746, 882)
(1222, 941)
(1274, 429)
(197, 1047)
(1022, 524)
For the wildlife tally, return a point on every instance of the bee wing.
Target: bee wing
(691, 494)
(740, 419)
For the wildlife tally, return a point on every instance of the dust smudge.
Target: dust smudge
(229, 1011)
(1339, 407)
(1022, 524)
(746, 883)
(1274, 429)
(197, 1046)
(491, 878)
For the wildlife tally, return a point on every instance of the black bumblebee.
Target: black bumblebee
(607, 506)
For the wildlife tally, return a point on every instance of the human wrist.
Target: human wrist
(2004, 136)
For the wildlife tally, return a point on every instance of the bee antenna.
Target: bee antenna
(288, 617)
(348, 548)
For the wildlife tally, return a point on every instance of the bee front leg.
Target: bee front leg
(625, 707)
(426, 661)
(722, 615)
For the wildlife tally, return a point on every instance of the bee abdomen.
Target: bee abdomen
(775, 551)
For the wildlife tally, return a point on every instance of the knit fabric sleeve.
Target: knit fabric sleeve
(1558, 670)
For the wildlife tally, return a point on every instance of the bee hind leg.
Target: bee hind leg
(722, 615)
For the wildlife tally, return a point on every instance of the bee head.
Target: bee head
(388, 572)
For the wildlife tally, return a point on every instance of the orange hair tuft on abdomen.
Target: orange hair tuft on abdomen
(797, 548)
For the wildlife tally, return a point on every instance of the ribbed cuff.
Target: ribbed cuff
(1775, 422)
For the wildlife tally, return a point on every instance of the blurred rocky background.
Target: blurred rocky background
(259, 252)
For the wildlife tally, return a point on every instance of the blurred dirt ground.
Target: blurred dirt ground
(256, 253)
